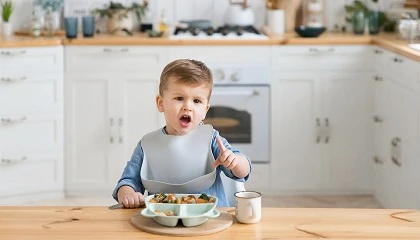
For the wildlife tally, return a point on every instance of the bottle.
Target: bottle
(162, 23)
(35, 24)
(49, 22)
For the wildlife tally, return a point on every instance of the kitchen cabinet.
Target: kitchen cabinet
(31, 123)
(321, 133)
(396, 131)
(108, 112)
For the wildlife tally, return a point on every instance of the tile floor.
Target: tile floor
(347, 201)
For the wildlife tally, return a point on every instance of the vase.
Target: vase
(373, 22)
(6, 29)
(120, 19)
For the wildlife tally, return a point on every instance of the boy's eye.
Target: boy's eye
(197, 101)
(179, 98)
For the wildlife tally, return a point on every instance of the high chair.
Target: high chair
(231, 187)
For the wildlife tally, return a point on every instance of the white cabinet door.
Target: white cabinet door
(89, 132)
(297, 151)
(345, 98)
(107, 116)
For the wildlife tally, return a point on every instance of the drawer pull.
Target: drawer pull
(11, 120)
(377, 119)
(13, 160)
(122, 50)
(377, 51)
(12, 80)
(398, 60)
(316, 50)
(12, 53)
(378, 78)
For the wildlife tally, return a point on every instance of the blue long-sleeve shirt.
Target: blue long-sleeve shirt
(131, 174)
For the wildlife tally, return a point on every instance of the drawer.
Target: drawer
(260, 178)
(114, 59)
(43, 173)
(20, 92)
(403, 71)
(30, 132)
(31, 60)
(322, 57)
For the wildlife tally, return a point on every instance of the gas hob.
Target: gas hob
(221, 33)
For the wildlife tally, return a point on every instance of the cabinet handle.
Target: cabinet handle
(378, 78)
(13, 160)
(111, 132)
(377, 119)
(316, 50)
(327, 127)
(395, 151)
(377, 160)
(377, 51)
(318, 130)
(122, 50)
(12, 80)
(12, 53)
(120, 130)
(398, 60)
(11, 120)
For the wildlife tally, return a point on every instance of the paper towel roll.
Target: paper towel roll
(275, 21)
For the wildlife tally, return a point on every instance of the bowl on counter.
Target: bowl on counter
(308, 32)
(190, 214)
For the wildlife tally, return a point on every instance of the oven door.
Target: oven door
(241, 115)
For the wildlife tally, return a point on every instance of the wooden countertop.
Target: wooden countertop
(277, 223)
(23, 41)
(387, 41)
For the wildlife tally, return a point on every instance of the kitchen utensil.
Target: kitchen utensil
(239, 14)
(116, 206)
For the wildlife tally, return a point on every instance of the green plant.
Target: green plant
(56, 5)
(6, 10)
(108, 11)
(387, 24)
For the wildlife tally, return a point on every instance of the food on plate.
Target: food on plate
(166, 213)
(190, 199)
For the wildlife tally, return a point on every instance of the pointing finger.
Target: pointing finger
(220, 143)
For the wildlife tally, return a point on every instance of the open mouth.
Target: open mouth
(185, 120)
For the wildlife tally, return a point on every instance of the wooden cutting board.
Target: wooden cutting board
(213, 225)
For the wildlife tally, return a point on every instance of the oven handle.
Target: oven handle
(238, 93)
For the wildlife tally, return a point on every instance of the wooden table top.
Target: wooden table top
(277, 223)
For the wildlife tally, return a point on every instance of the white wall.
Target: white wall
(176, 10)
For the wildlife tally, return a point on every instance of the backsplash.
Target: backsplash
(176, 10)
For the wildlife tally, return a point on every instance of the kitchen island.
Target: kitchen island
(94, 222)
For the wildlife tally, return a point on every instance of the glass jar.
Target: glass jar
(359, 22)
(50, 23)
(374, 22)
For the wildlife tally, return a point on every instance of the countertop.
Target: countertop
(277, 223)
(387, 41)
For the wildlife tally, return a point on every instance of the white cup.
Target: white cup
(248, 206)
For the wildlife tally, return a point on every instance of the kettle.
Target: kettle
(239, 14)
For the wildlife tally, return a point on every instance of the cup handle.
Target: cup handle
(253, 211)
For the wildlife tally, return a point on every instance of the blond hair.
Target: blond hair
(186, 71)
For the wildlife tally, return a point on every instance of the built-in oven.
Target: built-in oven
(239, 109)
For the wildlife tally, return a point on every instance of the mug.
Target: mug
(248, 206)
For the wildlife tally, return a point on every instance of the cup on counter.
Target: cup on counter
(248, 206)
(88, 24)
(70, 25)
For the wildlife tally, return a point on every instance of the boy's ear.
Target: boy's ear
(159, 103)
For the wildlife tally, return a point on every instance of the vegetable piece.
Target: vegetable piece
(204, 196)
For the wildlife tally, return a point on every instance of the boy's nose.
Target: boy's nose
(187, 107)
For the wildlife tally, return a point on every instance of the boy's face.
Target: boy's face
(184, 106)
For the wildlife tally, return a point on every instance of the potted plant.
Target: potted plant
(120, 18)
(6, 12)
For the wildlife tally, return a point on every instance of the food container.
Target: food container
(191, 215)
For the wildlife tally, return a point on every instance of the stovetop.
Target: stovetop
(220, 33)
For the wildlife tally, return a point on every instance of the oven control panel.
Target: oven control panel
(240, 74)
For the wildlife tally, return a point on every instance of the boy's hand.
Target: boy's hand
(129, 198)
(226, 158)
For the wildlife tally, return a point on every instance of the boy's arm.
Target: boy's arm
(131, 174)
(242, 168)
